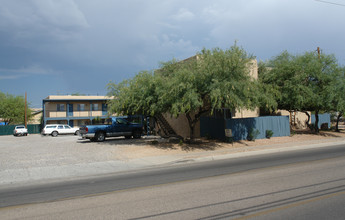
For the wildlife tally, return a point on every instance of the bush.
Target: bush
(253, 134)
(292, 132)
(324, 127)
(154, 142)
(269, 134)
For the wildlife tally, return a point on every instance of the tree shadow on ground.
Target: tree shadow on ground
(200, 144)
(159, 143)
(329, 133)
(116, 141)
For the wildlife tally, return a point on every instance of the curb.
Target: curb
(30, 176)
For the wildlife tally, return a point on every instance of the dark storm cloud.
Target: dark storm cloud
(80, 45)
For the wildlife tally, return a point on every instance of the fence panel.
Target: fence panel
(241, 127)
(34, 129)
(323, 118)
(8, 129)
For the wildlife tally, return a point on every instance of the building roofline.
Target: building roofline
(76, 98)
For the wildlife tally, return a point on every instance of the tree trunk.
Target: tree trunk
(191, 126)
(191, 132)
(192, 122)
(337, 124)
(317, 122)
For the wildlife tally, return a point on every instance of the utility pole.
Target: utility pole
(25, 112)
(318, 51)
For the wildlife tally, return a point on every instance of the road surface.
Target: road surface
(308, 184)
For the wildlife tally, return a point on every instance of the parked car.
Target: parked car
(115, 127)
(56, 129)
(20, 130)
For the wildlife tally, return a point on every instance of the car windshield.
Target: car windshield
(20, 127)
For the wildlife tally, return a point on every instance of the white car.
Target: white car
(20, 130)
(56, 129)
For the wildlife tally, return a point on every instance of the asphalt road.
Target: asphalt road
(307, 184)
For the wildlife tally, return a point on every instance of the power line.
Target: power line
(332, 3)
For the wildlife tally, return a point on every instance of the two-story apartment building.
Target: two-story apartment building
(74, 110)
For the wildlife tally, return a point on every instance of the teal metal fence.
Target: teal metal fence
(323, 118)
(240, 128)
(8, 129)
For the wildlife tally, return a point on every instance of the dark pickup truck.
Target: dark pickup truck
(117, 126)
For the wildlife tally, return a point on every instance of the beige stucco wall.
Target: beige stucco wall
(245, 113)
(300, 118)
(253, 68)
(36, 116)
(181, 125)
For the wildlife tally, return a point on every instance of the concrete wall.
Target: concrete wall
(300, 118)
(246, 113)
(181, 125)
(36, 116)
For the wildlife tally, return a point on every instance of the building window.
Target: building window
(60, 107)
(81, 107)
(94, 107)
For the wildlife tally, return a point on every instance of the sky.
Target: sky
(60, 47)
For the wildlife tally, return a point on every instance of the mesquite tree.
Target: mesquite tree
(305, 82)
(212, 79)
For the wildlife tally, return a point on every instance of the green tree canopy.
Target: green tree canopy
(305, 82)
(210, 80)
(338, 100)
(12, 108)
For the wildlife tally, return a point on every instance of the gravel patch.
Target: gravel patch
(42, 151)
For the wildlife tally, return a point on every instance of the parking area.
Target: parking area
(37, 151)
(39, 158)
(36, 157)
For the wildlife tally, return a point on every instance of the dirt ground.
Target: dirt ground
(156, 147)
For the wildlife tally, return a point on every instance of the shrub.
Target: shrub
(253, 134)
(269, 134)
(324, 127)
(154, 142)
(292, 132)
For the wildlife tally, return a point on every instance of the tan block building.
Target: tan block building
(36, 116)
(298, 120)
(74, 110)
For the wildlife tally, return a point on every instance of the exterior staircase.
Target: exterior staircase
(293, 118)
(165, 126)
